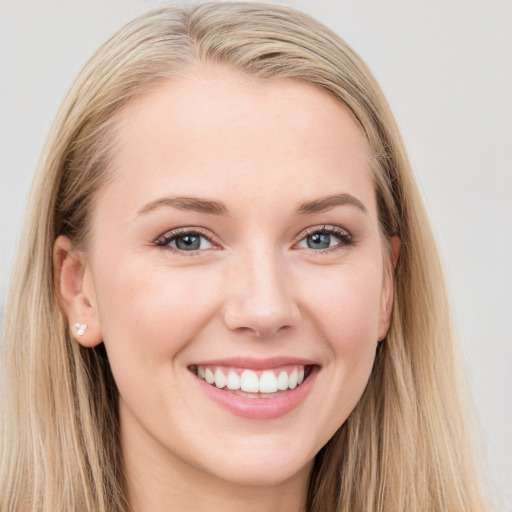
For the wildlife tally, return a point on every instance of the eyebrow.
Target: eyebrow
(327, 203)
(194, 204)
(213, 207)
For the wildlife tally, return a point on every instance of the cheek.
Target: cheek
(346, 314)
(152, 313)
(347, 307)
(351, 328)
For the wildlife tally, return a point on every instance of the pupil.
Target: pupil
(188, 242)
(319, 241)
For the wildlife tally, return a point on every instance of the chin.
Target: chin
(262, 462)
(263, 473)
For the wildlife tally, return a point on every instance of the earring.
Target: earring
(80, 329)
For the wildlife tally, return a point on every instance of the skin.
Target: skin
(255, 290)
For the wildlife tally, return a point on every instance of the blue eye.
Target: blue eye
(186, 241)
(325, 238)
(319, 241)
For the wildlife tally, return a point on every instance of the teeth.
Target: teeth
(249, 382)
(261, 384)
(282, 381)
(233, 380)
(292, 379)
(208, 376)
(220, 379)
(268, 382)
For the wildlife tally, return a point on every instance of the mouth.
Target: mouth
(251, 383)
(256, 389)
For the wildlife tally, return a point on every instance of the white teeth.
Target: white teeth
(220, 378)
(233, 381)
(268, 382)
(282, 381)
(292, 379)
(208, 376)
(265, 384)
(249, 382)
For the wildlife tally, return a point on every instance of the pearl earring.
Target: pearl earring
(80, 329)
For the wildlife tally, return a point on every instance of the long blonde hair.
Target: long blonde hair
(405, 447)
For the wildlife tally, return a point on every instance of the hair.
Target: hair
(405, 447)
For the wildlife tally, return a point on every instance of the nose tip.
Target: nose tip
(261, 323)
(261, 302)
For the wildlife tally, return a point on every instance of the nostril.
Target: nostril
(261, 324)
(263, 332)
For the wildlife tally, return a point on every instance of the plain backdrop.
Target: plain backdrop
(445, 66)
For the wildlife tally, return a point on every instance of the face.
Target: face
(237, 245)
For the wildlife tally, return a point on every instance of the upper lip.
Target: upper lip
(256, 363)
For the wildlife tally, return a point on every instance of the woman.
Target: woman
(228, 294)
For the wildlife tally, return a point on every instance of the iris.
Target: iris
(319, 241)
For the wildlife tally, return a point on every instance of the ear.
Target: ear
(387, 288)
(76, 292)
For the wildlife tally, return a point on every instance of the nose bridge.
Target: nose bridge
(261, 297)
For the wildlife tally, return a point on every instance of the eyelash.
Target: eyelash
(164, 240)
(341, 234)
(344, 236)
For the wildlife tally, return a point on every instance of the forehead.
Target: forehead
(217, 132)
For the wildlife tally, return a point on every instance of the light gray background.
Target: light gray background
(445, 66)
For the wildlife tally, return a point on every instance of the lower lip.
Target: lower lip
(259, 408)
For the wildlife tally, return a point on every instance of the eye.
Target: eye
(327, 237)
(186, 241)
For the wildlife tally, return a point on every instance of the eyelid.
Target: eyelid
(328, 228)
(164, 239)
(344, 235)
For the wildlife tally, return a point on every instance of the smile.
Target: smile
(253, 383)
(256, 389)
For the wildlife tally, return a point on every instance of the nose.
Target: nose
(261, 298)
